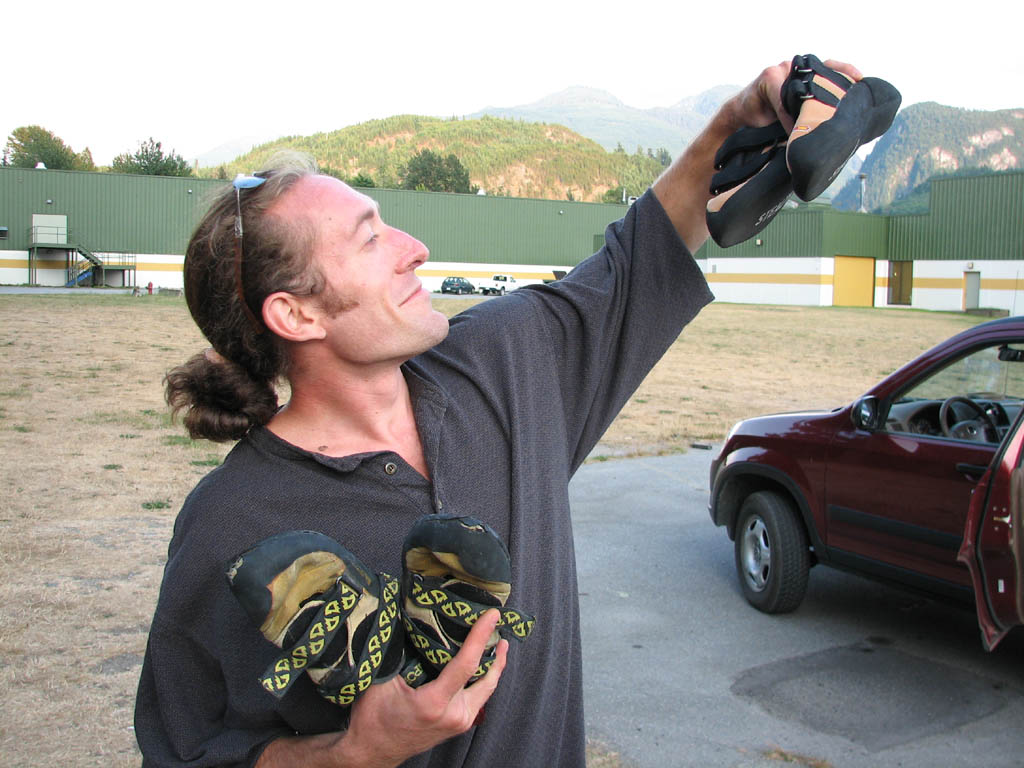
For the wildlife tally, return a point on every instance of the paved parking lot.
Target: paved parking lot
(680, 671)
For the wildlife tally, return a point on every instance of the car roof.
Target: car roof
(1015, 319)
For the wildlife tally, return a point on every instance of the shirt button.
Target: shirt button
(390, 468)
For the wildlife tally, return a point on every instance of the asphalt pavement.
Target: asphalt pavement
(680, 671)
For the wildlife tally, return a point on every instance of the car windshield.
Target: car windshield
(980, 373)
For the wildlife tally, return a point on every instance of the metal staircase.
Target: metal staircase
(82, 270)
(82, 264)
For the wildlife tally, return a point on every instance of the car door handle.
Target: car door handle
(974, 470)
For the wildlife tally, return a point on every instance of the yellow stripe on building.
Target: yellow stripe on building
(761, 277)
(1002, 284)
(61, 263)
(471, 273)
(158, 267)
(953, 283)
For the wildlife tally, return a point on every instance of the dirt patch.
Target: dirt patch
(96, 472)
(736, 361)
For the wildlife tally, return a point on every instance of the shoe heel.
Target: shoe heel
(834, 116)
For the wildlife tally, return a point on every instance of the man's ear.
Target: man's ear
(293, 318)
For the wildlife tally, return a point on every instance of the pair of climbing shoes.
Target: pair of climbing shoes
(348, 628)
(758, 168)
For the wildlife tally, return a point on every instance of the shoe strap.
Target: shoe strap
(428, 593)
(434, 655)
(800, 85)
(749, 140)
(434, 652)
(737, 173)
(346, 682)
(744, 154)
(338, 603)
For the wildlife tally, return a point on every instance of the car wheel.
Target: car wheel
(772, 555)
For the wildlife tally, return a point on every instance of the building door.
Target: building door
(853, 282)
(901, 279)
(972, 290)
(49, 229)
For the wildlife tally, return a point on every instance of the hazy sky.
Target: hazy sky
(107, 75)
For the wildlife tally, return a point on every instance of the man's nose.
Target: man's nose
(413, 251)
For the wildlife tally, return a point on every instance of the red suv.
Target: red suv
(918, 483)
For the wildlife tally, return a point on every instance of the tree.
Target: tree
(334, 173)
(362, 180)
(150, 160)
(30, 145)
(83, 161)
(614, 195)
(427, 170)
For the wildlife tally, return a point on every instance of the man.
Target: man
(394, 414)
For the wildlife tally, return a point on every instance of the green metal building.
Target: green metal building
(55, 224)
(966, 252)
(54, 217)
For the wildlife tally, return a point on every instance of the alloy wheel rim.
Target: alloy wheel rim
(756, 554)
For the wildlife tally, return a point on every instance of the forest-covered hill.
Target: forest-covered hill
(529, 151)
(503, 157)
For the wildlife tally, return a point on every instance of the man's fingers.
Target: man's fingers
(772, 79)
(847, 69)
(460, 669)
(479, 692)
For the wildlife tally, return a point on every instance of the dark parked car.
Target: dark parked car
(456, 285)
(918, 483)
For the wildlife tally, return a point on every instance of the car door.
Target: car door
(992, 542)
(895, 505)
(896, 496)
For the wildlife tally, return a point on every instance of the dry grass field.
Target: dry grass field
(94, 472)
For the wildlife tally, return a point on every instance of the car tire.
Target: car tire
(772, 553)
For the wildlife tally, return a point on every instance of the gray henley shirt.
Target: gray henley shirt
(507, 407)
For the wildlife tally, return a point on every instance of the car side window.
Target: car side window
(989, 380)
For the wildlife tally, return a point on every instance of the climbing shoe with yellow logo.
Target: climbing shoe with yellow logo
(333, 618)
(454, 570)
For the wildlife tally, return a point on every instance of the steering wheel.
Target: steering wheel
(967, 430)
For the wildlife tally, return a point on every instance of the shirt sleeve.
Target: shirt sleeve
(593, 336)
(181, 710)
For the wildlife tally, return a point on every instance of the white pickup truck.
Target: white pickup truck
(497, 285)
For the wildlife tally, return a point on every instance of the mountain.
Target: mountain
(228, 151)
(600, 116)
(577, 143)
(564, 146)
(930, 139)
(503, 156)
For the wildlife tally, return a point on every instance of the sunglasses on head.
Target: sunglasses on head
(242, 181)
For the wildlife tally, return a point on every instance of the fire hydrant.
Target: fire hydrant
(150, 287)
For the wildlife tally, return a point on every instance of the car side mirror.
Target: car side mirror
(864, 413)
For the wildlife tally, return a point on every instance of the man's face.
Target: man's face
(374, 307)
